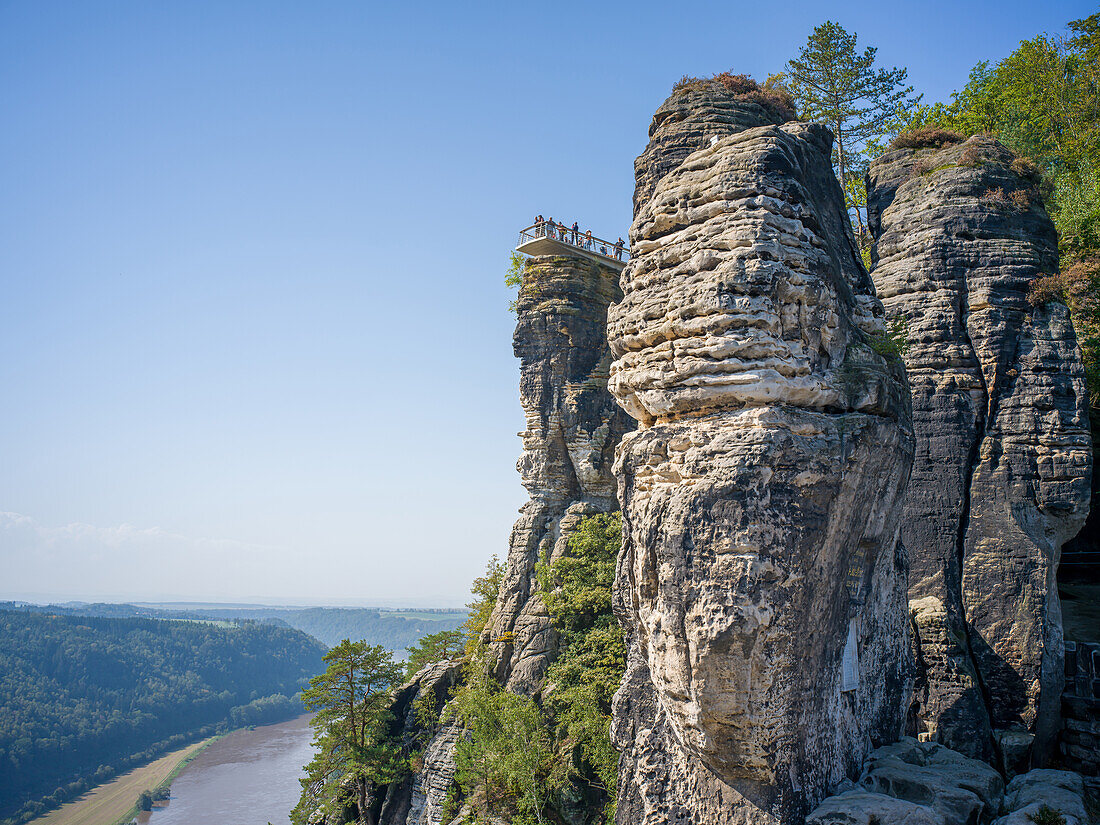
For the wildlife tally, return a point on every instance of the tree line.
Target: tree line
(395, 629)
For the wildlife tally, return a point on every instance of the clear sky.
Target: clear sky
(254, 340)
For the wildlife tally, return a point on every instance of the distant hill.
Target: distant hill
(84, 697)
(394, 629)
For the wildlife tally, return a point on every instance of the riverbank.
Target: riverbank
(116, 801)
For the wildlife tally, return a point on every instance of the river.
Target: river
(249, 777)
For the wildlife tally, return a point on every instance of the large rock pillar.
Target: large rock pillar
(1001, 478)
(761, 582)
(573, 426)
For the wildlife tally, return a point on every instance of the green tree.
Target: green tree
(507, 762)
(582, 680)
(352, 725)
(485, 590)
(435, 647)
(513, 278)
(833, 82)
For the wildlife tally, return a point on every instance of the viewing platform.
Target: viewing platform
(552, 239)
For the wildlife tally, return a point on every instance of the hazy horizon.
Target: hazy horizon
(173, 601)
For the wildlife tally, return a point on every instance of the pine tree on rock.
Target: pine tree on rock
(352, 725)
(833, 83)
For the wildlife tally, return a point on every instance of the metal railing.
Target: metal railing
(581, 240)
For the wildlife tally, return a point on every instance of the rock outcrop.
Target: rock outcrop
(573, 427)
(761, 583)
(418, 799)
(924, 783)
(960, 789)
(1001, 477)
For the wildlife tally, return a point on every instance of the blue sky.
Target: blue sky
(254, 340)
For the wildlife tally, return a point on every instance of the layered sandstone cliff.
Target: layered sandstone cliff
(760, 584)
(1001, 477)
(573, 427)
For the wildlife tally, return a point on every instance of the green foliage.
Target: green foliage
(590, 664)
(577, 587)
(522, 760)
(832, 81)
(85, 698)
(893, 342)
(485, 590)
(145, 801)
(507, 762)
(1047, 815)
(395, 629)
(513, 278)
(352, 727)
(436, 647)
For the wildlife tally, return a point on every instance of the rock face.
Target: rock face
(417, 706)
(1001, 477)
(573, 427)
(761, 583)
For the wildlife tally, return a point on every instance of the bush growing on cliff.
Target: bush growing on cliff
(529, 761)
(775, 99)
(926, 137)
(507, 762)
(435, 647)
(485, 590)
(513, 278)
(893, 342)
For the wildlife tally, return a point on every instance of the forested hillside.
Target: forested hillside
(86, 697)
(394, 629)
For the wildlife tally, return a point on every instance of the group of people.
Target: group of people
(548, 228)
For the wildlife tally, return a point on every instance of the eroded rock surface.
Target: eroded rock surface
(866, 808)
(761, 582)
(963, 791)
(573, 426)
(418, 709)
(1001, 477)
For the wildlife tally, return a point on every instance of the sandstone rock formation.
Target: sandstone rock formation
(573, 427)
(924, 783)
(1062, 791)
(418, 798)
(960, 789)
(1001, 477)
(866, 808)
(760, 583)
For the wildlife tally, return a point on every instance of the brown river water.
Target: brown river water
(249, 777)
